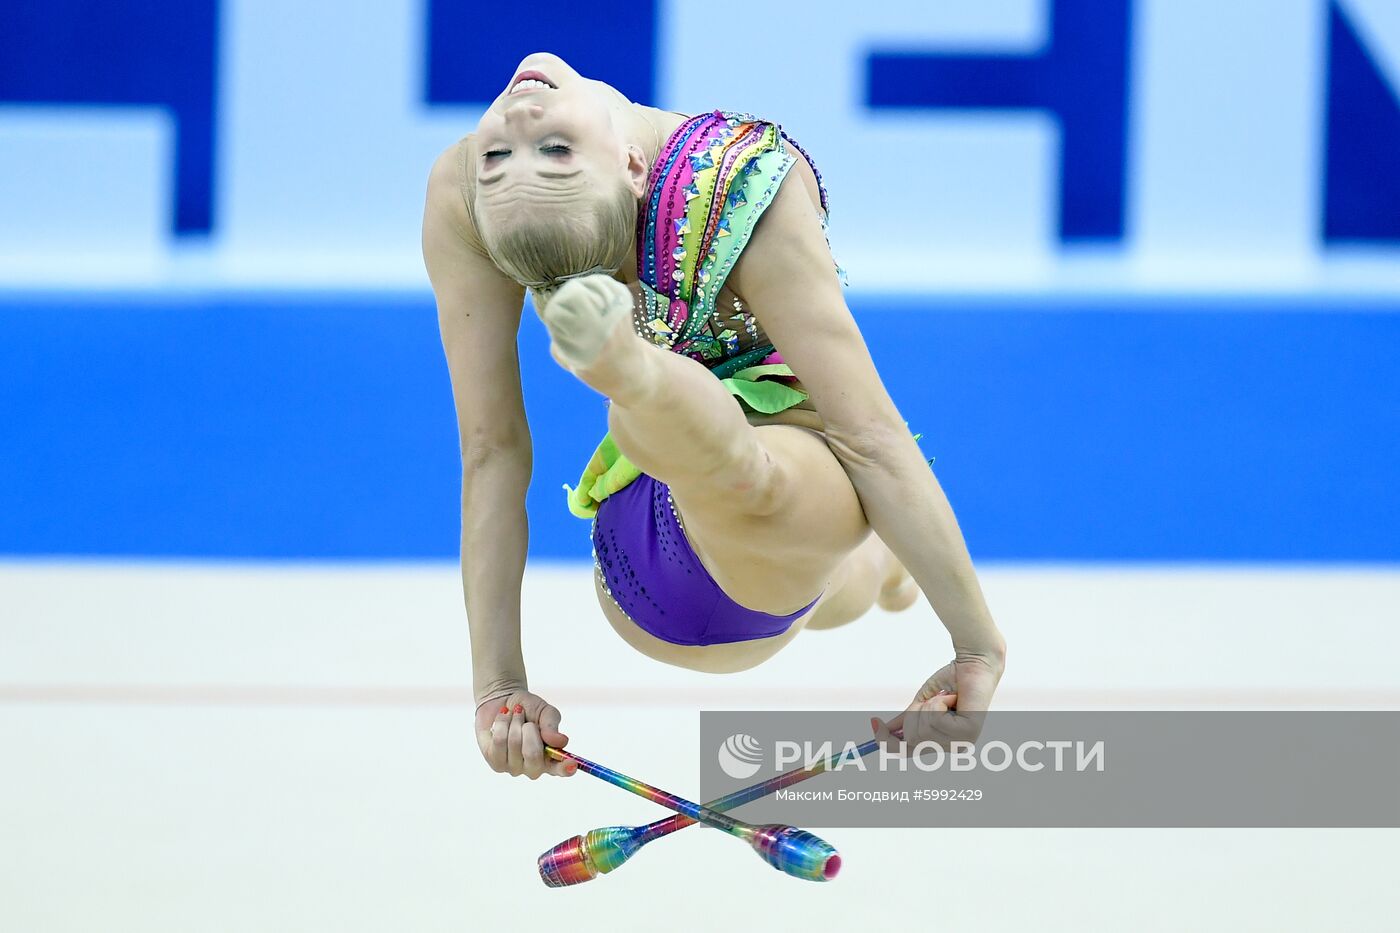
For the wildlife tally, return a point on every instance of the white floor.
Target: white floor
(253, 748)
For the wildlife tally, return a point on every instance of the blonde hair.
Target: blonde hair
(541, 248)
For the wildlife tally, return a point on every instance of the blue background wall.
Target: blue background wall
(286, 425)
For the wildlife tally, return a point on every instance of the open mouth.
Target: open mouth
(530, 81)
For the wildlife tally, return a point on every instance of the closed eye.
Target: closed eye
(552, 149)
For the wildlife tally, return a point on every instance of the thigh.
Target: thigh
(779, 560)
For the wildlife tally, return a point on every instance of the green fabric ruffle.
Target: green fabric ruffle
(609, 470)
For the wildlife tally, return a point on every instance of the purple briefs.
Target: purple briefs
(655, 577)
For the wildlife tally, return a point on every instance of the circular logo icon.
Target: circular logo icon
(740, 756)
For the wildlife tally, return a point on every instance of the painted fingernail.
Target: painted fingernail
(505, 709)
(519, 708)
(874, 724)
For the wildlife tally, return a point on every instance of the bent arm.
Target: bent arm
(788, 278)
(479, 312)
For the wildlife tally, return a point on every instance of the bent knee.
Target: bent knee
(799, 473)
(813, 493)
(752, 481)
(779, 469)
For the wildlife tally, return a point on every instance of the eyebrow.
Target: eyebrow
(495, 178)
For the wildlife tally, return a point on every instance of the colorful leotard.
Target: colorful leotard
(710, 183)
(650, 570)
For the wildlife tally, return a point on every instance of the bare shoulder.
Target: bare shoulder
(807, 173)
(478, 310)
(465, 279)
(450, 186)
(788, 250)
(788, 279)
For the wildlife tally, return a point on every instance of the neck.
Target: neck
(641, 125)
(647, 128)
(628, 273)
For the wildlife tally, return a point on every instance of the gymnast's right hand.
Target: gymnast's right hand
(512, 732)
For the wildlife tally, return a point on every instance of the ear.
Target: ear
(637, 170)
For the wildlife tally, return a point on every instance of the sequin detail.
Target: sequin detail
(710, 183)
(648, 569)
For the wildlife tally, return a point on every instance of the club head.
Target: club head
(797, 852)
(566, 864)
(585, 857)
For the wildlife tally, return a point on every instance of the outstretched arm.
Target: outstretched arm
(479, 312)
(787, 276)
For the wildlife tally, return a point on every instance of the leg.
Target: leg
(676, 422)
(769, 510)
(668, 413)
(871, 575)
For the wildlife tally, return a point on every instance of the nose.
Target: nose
(523, 109)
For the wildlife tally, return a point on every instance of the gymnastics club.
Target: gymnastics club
(787, 848)
(599, 851)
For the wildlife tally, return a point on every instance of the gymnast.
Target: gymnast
(756, 478)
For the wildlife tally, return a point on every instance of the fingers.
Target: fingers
(486, 714)
(501, 740)
(944, 681)
(923, 720)
(549, 728)
(565, 768)
(546, 719)
(607, 288)
(514, 732)
(568, 296)
(531, 751)
(493, 739)
(596, 292)
(599, 294)
(515, 756)
(582, 317)
(607, 283)
(595, 287)
(884, 734)
(933, 720)
(936, 721)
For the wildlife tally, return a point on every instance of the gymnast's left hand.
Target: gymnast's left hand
(950, 706)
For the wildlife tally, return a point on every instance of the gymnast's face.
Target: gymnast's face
(550, 138)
